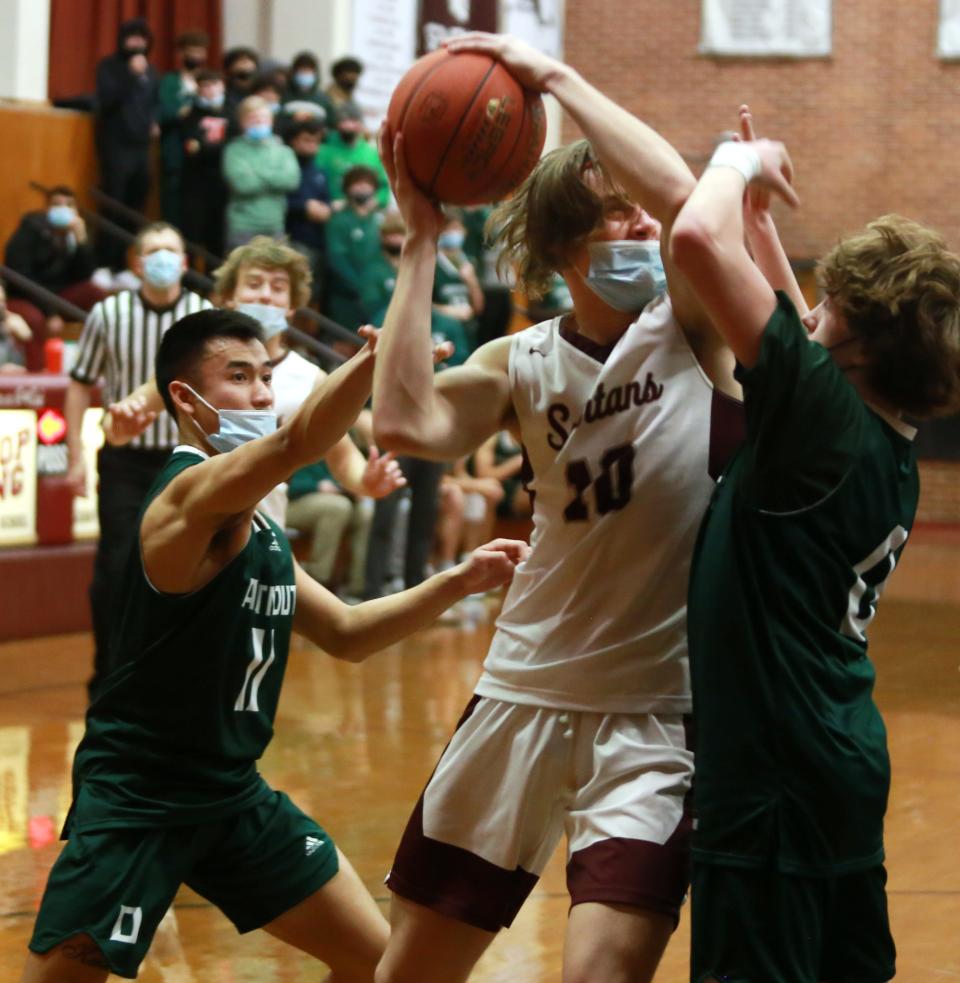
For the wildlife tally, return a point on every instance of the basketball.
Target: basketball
(471, 132)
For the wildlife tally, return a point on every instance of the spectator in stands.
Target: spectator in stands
(176, 96)
(308, 208)
(51, 247)
(127, 102)
(456, 289)
(321, 509)
(270, 89)
(501, 457)
(346, 73)
(14, 334)
(305, 86)
(260, 171)
(240, 66)
(118, 345)
(347, 147)
(203, 191)
(353, 243)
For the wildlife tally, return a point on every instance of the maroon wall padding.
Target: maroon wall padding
(45, 590)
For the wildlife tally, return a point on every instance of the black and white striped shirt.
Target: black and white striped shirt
(119, 344)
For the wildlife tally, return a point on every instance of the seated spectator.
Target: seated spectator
(501, 457)
(240, 66)
(203, 190)
(260, 172)
(319, 507)
(555, 301)
(346, 73)
(456, 289)
(14, 334)
(308, 208)
(176, 100)
(305, 86)
(347, 147)
(482, 496)
(353, 242)
(51, 247)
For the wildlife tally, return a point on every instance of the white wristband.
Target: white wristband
(739, 156)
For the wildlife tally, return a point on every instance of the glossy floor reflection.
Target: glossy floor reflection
(355, 744)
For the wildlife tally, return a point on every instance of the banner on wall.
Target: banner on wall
(85, 522)
(18, 477)
(441, 19)
(948, 31)
(758, 28)
(538, 22)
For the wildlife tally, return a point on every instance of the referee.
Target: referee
(119, 344)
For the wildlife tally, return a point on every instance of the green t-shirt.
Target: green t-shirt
(175, 733)
(804, 528)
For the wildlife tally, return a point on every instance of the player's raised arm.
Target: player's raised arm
(415, 412)
(708, 243)
(645, 165)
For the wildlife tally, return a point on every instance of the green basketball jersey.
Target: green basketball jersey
(803, 531)
(175, 733)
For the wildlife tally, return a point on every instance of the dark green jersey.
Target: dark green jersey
(176, 731)
(801, 535)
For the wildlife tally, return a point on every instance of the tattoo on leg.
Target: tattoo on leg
(85, 953)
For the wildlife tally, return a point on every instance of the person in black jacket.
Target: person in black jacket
(308, 208)
(52, 249)
(127, 109)
(203, 192)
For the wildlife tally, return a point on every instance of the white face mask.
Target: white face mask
(237, 427)
(272, 320)
(627, 273)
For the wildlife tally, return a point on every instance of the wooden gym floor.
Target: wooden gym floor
(354, 745)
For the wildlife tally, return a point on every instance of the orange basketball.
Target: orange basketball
(471, 132)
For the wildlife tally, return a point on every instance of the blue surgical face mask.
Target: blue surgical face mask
(60, 216)
(627, 273)
(305, 80)
(273, 320)
(451, 240)
(258, 131)
(162, 269)
(214, 102)
(237, 427)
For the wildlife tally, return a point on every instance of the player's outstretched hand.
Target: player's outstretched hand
(530, 67)
(493, 564)
(382, 475)
(420, 214)
(757, 199)
(776, 170)
(126, 420)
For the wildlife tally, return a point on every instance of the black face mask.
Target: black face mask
(129, 53)
(348, 85)
(240, 78)
(360, 197)
(348, 136)
(392, 248)
(191, 64)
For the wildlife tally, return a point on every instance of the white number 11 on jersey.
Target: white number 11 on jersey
(247, 700)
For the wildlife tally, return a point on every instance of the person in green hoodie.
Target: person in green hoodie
(347, 147)
(260, 170)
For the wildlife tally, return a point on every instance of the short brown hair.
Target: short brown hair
(193, 39)
(268, 254)
(550, 214)
(152, 227)
(898, 287)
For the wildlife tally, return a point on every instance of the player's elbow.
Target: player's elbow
(691, 244)
(390, 434)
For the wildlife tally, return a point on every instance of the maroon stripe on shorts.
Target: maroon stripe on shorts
(453, 881)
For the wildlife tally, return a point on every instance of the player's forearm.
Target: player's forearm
(771, 259)
(374, 625)
(329, 411)
(347, 465)
(648, 168)
(404, 399)
(76, 404)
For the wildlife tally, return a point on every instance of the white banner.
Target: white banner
(538, 22)
(384, 39)
(757, 28)
(18, 477)
(948, 34)
(85, 522)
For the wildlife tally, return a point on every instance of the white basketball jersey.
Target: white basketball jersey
(618, 441)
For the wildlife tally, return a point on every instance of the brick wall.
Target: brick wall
(871, 129)
(939, 492)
